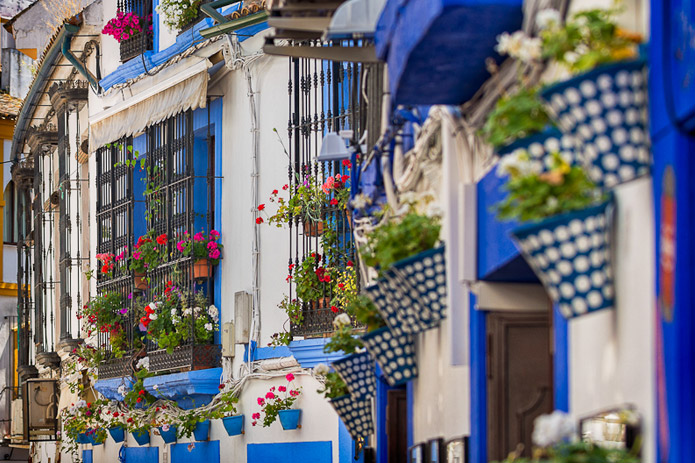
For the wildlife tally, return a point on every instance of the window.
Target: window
(10, 218)
(139, 42)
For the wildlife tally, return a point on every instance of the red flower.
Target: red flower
(334, 309)
(289, 377)
(275, 192)
(285, 186)
(327, 279)
(162, 239)
(221, 386)
(105, 268)
(139, 399)
(347, 163)
(116, 414)
(349, 263)
(261, 401)
(259, 220)
(261, 207)
(334, 202)
(289, 277)
(129, 420)
(142, 392)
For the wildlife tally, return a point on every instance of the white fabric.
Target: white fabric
(160, 102)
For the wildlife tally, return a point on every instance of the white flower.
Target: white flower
(531, 49)
(173, 313)
(153, 316)
(213, 312)
(551, 202)
(361, 201)
(187, 311)
(321, 369)
(342, 320)
(80, 403)
(552, 429)
(152, 305)
(197, 310)
(571, 57)
(122, 390)
(155, 387)
(208, 326)
(547, 18)
(143, 363)
(510, 44)
(517, 164)
(433, 210)
(165, 427)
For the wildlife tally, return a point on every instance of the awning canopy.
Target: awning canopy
(177, 93)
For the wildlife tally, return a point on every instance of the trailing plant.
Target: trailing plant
(312, 279)
(333, 384)
(150, 252)
(178, 13)
(201, 246)
(275, 401)
(533, 195)
(515, 115)
(363, 310)
(81, 417)
(343, 339)
(138, 395)
(345, 289)
(105, 313)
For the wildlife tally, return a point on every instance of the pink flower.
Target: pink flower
(282, 389)
(179, 246)
(289, 377)
(269, 395)
(199, 236)
(214, 254)
(256, 416)
(214, 234)
(261, 401)
(212, 245)
(136, 255)
(294, 392)
(125, 36)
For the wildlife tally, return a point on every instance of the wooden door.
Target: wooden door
(397, 425)
(520, 378)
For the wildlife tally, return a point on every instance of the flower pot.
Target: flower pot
(117, 434)
(202, 430)
(141, 436)
(312, 228)
(355, 414)
(169, 436)
(357, 370)
(541, 145)
(82, 438)
(234, 424)
(140, 281)
(606, 111)
(289, 419)
(412, 295)
(570, 253)
(201, 269)
(93, 439)
(394, 351)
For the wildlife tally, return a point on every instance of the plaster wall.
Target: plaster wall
(17, 72)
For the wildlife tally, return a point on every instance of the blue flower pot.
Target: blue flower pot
(605, 109)
(355, 414)
(570, 254)
(394, 351)
(82, 438)
(141, 436)
(357, 370)
(412, 295)
(168, 436)
(289, 419)
(541, 146)
(202, 430)
(117, 434)
(93, 439)
(234, 424)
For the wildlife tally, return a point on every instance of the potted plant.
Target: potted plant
(106, 313)
(566, 237)
(313, 281)
(278, 404)
(141, 435)
(82, 424)
(127, 25)
(205, 250)
(226, 411)
(178, 14)
(605, 104)
(196, 423)
(150, 252)
(167, 432)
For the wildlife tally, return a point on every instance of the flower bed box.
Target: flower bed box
(570, 253)
(436, 49)
(191, 357)
(605, 109)
(394, 351)
(355, 414)
(357, 370)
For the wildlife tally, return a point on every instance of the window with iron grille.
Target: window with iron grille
(141, 41)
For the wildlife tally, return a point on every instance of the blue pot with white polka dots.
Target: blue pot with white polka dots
(394, 351)
(412, 296)
(570, 254)
(357, 370)
(355, 414)
(541, 145)
(605, 109)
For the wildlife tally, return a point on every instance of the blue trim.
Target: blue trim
(478, 438)
(561, 366)
(410, 399)
(109, 387)
(155, 26)
(208, 452)
(139, 454)
(264, 353)
(290, 452)
(346, 446)
(139, 207)
(309, 352)
(87, 456)
(190, 389)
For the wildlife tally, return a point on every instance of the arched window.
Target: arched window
(10, 219)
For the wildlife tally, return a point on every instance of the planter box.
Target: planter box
(394, 351)
(117, 434)
(289, 419)
(412, 295)
(234, 425)
(355, 414)
(540, 146)
(606, 111)
(570, 253)
(357, 370)
(202, 430)
(82, 438)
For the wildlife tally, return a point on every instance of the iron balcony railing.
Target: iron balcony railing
(141, 41)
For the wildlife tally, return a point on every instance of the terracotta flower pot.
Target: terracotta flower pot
(313, 229)
(140, 281)
(201, 269)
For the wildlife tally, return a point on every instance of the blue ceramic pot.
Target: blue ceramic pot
(234, 424)
(355, 414)
(93, 439)
(141, 436)
(357, 370)
(541, 146)
(168, 436)
(117, 434)
(289, 419)
(202, 430)
(82, 438)
(394, 351)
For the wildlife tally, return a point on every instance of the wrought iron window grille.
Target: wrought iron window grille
(142, 41)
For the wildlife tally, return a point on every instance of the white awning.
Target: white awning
(180, 92)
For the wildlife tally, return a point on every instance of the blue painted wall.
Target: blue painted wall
(561, 366)
(139, 454)
(347, 446)
(477, 450)
(87, 456)
(203, 452)
(290, 452)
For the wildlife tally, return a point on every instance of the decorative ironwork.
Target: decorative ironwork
(140, 41)
(191, 356)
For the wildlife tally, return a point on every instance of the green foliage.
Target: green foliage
(105, 313)
(579, 452)
(399, 238)
(275, 401)
(515, 116)
(362, 309)
(587, 40)
(333, 386)
(343, 340)
(137, 393)
(150, 252)
(313, 280)
(533, 195)
(201, 246)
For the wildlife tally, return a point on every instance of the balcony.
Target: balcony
(142, 41)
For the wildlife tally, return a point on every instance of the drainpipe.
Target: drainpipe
(71, 30)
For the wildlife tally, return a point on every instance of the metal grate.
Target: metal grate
(141, 41)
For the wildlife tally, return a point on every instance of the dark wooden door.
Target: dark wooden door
(520, 379)
(397, 425)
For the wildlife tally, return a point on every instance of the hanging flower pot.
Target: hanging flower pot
(117, 434)
(289, 419)
(234, 425)
(357, 370)
(355, 414)
(140, 281)
(394, 351)
(201, 269)
(412, 295)
(94, 438)
(168, 436)
(312, 228)
(570, 253)
(540, 145)
(202, 430)
(606, 111)
(141, 436)
(82, 438)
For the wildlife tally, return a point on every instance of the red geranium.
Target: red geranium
(162, 239)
